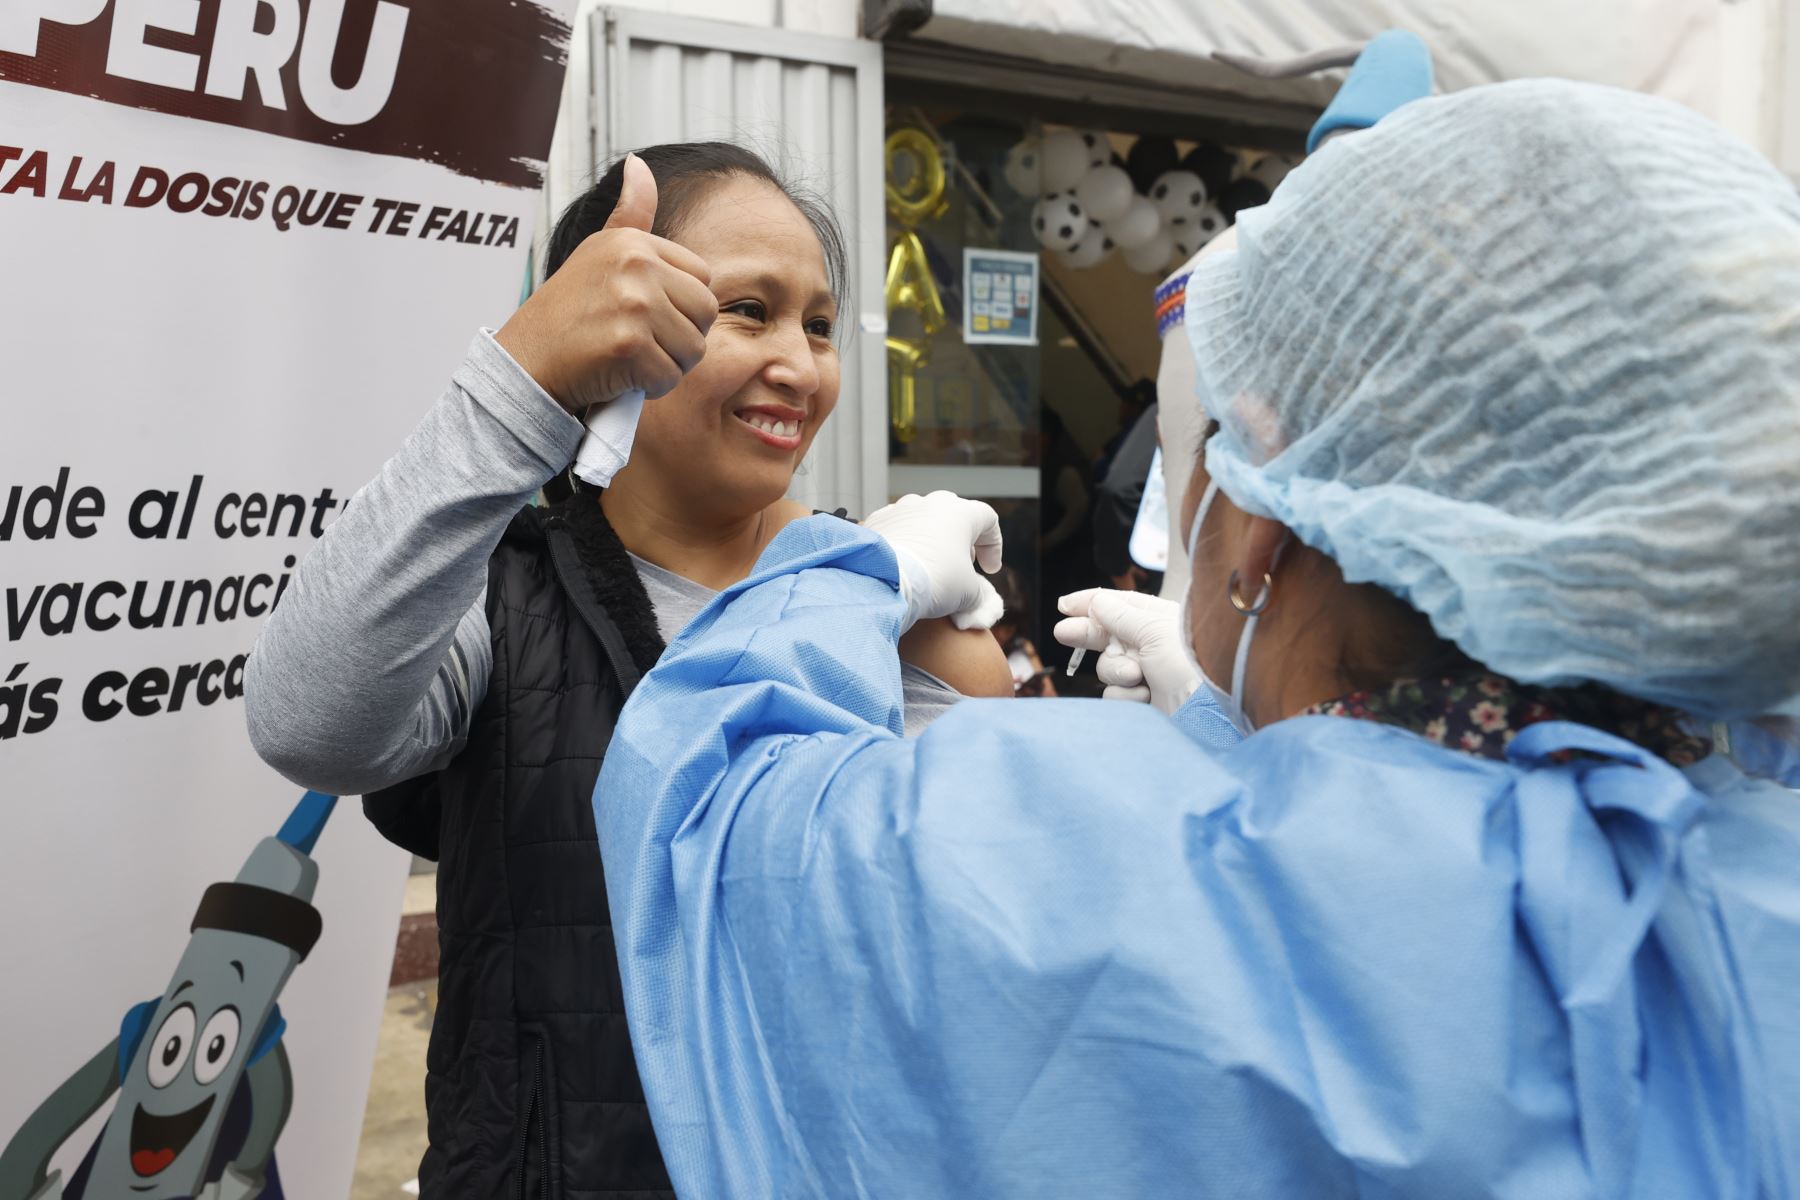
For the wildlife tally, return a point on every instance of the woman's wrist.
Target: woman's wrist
(528, 353)
(506, 389)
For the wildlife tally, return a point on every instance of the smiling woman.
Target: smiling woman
(462, 656)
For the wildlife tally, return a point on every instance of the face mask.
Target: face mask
(1229, 701)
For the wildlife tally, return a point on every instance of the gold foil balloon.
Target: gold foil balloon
(915, 193)
(910, 285)
(915, 177)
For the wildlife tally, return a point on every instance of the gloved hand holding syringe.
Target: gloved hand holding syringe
(1140, 637)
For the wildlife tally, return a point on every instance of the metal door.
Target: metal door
(812, 105)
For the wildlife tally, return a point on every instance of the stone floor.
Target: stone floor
(393, 1132)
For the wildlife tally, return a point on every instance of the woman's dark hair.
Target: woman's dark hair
(685, 172)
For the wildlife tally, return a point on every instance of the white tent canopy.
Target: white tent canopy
(1667, 47)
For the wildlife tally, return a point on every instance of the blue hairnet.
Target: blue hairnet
(1528, 356)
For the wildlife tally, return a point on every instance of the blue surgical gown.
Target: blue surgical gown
(1063, 948)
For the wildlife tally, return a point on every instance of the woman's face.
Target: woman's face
(741, 421)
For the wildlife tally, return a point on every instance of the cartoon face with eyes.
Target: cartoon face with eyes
(181, 1076)
(217, 1019)
(203, 1084)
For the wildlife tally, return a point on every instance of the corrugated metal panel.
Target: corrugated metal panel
(812, 106)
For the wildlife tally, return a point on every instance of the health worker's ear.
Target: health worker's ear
(1257, 550)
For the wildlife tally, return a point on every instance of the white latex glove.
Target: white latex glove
(1141, 637)
(938, 539)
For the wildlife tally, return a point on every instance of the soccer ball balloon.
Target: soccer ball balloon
(1058, 221)
(1139, 224)
(1208, 224)
(1024, 169)
(1065, 160)
(1271, 169)
(1179, 196)
(1090, 251)
(1105, 193)
(1153, 255)
(1099, 149)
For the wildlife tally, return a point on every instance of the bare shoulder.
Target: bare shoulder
(969, 660)
(783, 512)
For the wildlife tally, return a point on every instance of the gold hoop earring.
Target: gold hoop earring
(1250, 608)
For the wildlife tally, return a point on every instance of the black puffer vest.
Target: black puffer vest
(531, 1087)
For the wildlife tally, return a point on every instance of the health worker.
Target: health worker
(1498, 514)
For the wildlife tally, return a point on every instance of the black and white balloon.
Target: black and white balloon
(1105, 193)
(1065, 160)
(1179, 196)
(1271, 169)
(1058, 221)
(1242, 193)
(1207, 224)
(1138, 224)
(1024, 170)
(1099, 148)
(1152, 256)
(1091, 250)
(1214, 164)
(1150, 158)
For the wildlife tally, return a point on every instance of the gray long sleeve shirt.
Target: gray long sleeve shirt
(371, 669)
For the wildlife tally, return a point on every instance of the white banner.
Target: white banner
(243, 245)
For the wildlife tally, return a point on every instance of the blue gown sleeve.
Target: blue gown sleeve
(1061, 948)
(821, 923)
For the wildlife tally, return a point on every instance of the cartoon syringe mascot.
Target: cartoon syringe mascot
(202, 1077)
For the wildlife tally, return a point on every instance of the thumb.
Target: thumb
(984, 528)
(1081, 633)
(983, 610)
(1126, 621)
(1075, 604)
(636, 208)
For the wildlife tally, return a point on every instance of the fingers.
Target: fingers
(692, 298)
(684, 260)
(1122, 617)
(986, 536)
(678, 337)
(636, 208)
(1081, 633)
(983, 524)
(1075, 604)
(1131, 695)
(1118, 669)
(657, 372)
(987, 609)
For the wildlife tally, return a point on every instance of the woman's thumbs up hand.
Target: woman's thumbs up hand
(628, 311)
